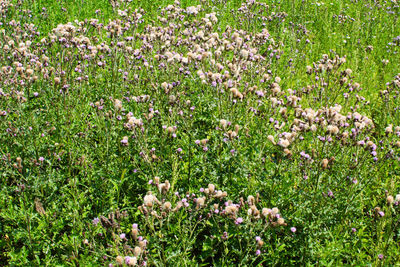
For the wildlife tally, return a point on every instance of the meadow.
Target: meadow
(199, 133)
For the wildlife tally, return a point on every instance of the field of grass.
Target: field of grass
(199, 133)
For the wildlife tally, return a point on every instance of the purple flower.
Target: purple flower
(35, 94)
(353, 230)
(122, 236)
(381, 213)
(293, 229)
(260, 93)
(258, 252)
(380, 256)
(135, 226)
(224, 236)
(95, 221)
(258, 238)
(239, 220)
(41, 159)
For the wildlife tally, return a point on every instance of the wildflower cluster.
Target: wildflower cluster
(121, 113)
(209, 208)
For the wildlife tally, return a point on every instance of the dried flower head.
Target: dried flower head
(389, 199)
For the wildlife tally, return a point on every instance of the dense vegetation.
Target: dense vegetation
(199, 133)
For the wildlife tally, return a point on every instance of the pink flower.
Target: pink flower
(239, 220)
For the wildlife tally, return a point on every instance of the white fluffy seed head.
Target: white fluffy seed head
(149, 200)
(137, 251)
(223, 123)
(211, 188)
(117, 104)
(200, 202)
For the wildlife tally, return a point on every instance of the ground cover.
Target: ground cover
(199, 133)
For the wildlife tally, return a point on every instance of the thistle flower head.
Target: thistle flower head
(117, 104)
(389, 199)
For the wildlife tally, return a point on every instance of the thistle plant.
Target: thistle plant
(199, 133)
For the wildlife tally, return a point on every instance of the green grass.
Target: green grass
(71, 187)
